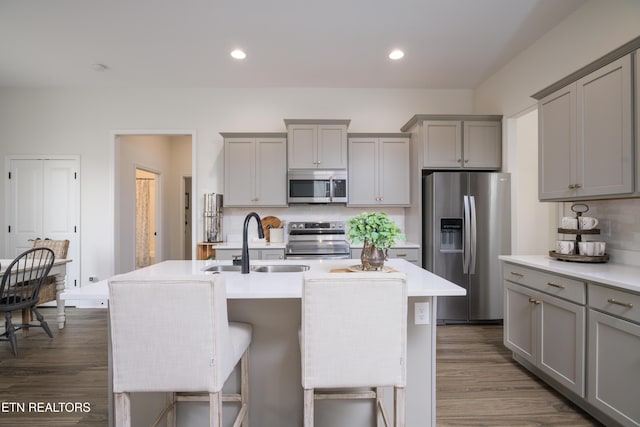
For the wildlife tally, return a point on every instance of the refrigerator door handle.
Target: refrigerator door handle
(467, 236)
(473, 240)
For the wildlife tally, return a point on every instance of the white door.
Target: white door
(44, 204)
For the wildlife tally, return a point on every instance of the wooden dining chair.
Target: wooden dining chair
(353, 336)
(60, 249)
(19, 290)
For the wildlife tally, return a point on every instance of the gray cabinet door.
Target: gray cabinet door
(520, 327)
(562, 342)
(331, 147)
(393, 172)
(614, 373)
(605, 131)
(239, 171)
(255, 171)
(442, 144)
(548, 332)
(271, 172)
(379, 171)
(482, 144)
(557, 144)
(302, 145)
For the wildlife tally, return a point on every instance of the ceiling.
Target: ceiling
(448, 44)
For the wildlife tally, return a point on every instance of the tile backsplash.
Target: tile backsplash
(233, 218)
(619, 224)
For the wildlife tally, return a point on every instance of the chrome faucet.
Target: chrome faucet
(245, 245)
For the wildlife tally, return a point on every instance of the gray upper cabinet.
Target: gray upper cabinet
(585, 133)
(379, 169)
(255, 169)
(637, 97)
(458, 142)
(317, 144)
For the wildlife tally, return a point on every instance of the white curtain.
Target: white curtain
(143, 199)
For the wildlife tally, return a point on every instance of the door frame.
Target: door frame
(114, 136)
(78, 211)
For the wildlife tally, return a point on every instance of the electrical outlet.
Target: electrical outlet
(421, 313)
(93, 278)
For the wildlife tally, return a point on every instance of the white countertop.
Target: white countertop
(273, 285)
(617, 275)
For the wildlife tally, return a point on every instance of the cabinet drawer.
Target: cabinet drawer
(410, 255)
(559, 286)
(614, 301)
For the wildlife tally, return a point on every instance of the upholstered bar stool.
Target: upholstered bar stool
(174, 336)
(354, 335)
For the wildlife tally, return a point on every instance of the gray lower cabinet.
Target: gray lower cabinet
(590, 352)
(614, 354)
(254, 254)
(545, 324)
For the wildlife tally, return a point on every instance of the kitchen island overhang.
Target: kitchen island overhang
(271, 303)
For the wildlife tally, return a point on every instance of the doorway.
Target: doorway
(170, 156)
(147, 202)
(188, 203)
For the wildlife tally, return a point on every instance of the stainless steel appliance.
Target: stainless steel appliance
(317, 240)
(466, 226)
(317, 186)
(213, 218)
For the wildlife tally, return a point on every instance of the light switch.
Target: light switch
(421, 314)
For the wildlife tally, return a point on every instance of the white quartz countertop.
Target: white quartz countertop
(617, 275)
(257, 285)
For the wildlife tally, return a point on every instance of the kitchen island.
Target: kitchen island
(271, 303)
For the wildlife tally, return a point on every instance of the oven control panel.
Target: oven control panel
(316, 227)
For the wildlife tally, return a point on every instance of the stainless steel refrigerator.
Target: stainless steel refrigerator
(466, 226)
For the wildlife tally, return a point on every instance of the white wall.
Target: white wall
(590, 32)
(533, 222)
(61, 121)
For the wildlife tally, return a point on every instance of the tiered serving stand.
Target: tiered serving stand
(578, 209)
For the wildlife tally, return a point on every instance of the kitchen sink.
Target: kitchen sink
(271, 268)
(222, 268)
(280, 268)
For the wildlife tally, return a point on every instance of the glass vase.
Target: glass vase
(372, 258)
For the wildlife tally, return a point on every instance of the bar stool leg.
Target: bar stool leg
(308, 407)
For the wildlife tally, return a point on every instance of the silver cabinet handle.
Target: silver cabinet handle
(401, 255)
(513, 273)
(555, 285)
(620, 303)
(534, 301)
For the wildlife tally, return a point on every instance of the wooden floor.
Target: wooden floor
(478, 383)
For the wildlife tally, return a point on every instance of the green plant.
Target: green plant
(375, 227)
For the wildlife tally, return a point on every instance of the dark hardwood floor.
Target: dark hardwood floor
(478, 383)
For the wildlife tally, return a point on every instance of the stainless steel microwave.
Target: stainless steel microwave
(317, 186)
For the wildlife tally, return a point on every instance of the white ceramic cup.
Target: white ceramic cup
(276, 235)
(569, 223)
(588, 222)
(565, 246)
(592, 248)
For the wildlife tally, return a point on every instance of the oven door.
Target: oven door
(318, 256)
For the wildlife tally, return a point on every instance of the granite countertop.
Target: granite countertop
(621, 276)
(257, 285)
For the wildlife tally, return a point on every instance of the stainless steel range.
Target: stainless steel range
(317, 240)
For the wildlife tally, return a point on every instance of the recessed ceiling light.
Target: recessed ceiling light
(238, 54)
(396, 54)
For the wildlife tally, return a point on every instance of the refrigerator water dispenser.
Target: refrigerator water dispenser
(450, 234)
